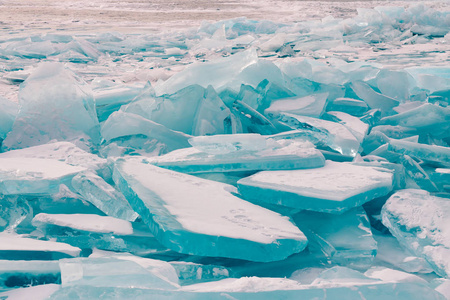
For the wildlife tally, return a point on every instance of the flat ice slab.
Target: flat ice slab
(202, 217)
(334, 188)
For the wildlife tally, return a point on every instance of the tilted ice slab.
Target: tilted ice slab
(122, 124)
(104, 196)
(16, 247)
(334, 188)
(259, 155)
(430, 153)
(420, 222)
(323, 133)
(197, 216)
(34, 175)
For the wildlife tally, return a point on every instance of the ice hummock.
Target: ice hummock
(334, 188)
(223, 226)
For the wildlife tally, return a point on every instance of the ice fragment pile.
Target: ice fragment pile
(242, 159)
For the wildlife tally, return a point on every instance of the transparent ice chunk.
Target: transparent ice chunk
(224, 69)
(418, 174)
(334, 188)
(118, 271)
(351, 106)
(122, 124)
(435, 155)
(419, 222)
(392, 254)
(105, 197)
(322, 133)
(357, 127)
(311, 106)
(223, 226)
(345, 239)
(54, 104)
(427, 118)
(372, 98)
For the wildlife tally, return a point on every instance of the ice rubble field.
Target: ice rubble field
(251, 160)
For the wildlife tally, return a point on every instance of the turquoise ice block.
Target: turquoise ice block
(201, 217)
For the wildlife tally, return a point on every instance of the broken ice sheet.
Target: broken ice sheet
(345, 239)
(89, 231)
(105, 197)
(334, 188)
(54, 104)
(15, 247)
(34, 175)
(419, 221)
(323, 133)
(223, 226)
(243, 152)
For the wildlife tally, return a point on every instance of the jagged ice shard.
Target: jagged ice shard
(189, 220)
